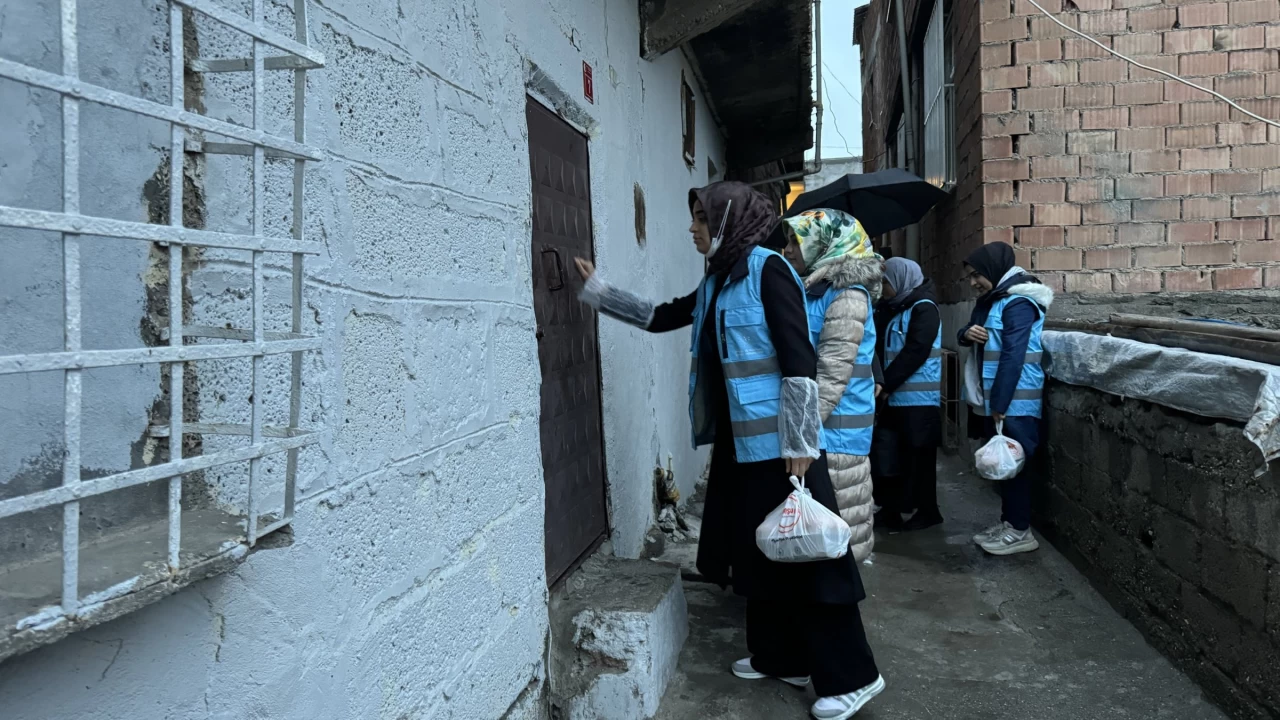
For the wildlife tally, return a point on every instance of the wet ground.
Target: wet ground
(957, 635)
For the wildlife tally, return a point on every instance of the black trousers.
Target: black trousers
(906, 474)
(825, 642)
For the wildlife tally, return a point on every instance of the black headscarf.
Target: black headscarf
(752, 216)
(993, 262)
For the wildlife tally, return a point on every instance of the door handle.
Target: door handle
(559, 283)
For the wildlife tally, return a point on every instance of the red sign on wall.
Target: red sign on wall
(588, 85)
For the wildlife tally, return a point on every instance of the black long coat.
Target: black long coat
(740, 495)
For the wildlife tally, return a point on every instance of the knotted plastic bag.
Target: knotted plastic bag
(1002, 458)
(802, 529)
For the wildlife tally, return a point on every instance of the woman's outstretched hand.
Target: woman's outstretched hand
(798, 466)
(585, 268)
(977, 334)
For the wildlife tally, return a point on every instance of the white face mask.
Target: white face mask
(719, 238)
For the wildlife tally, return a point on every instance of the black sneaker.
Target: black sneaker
(922, 520)
(890, 520)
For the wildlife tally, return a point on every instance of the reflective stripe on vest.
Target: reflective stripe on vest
(848, 429)
(1030, 390)
(924, 387)
(750, 363)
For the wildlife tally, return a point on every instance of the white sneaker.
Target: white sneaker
(744, 670)
(1010, 542)
(842, 707)
(991, 532)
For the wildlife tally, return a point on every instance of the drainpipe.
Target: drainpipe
(909, 121)
(816, 166)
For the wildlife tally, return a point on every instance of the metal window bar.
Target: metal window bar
(256, 342)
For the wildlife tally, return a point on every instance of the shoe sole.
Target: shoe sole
(753, 675)
(1022, 547)
(876, 688)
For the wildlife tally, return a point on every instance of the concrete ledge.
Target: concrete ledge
(617, 629)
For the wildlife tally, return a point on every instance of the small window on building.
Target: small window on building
(939, 103)
(689, 111)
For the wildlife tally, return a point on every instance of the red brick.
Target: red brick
(998, 170)
(1188, 281)
(1167, 63)
(1204, 15)
(1043, 27)
(1270, 179)
(1175, 91)
(1136, 282)
(1092, 283)
(1206, 159)
(994, 56)
(1237, 279)
(1108, 258)
(1104, 23)
(1236, 183)
(1104, 164)
(1211, 254)
(1007, 215)
(1091, 235)
(1146, 186)
(1042, 192)
(1079, 49)
(1158, 116)
(1186, 184)
(1178, 42)
(1273, 36)
(1273, 229)
(1004, 30)
(1055, 281)
(1013, 76)
(1022, 257)
(1041, 236)
(1091, 141)
(1248, 12)
(1255, 60)
(1084, 96)
(1191, 232)
(1063, 166)
(1046, 120)
(1242, 134)
(1241, 86)
(1040, 98)
(1143, 234)
(1053, 74)
(1104, 71)
(1105, 119)
(997, 147)
(992, 235)
(1149, 93)
(1057, 214)
(1106, 213)
(1138, 44)
(1022, 7)
(1251, 229)
(1091, 190)
(1156, 18)
(1034, 51)
(997, 101)
(1267, 156)
(1256, 205)
(1149, 210)
(1154, 161)
(1246, 38)
(1203, 113)
(1158, 256)
(998, 193)
(990, 10)
(1141, 139)
(1273, 84)
(1208, 208)
(1196, 136)
(1260, 252)
(1272, 278)
(1058, 259)
(1014, 124)
(1042, 143)
(1266, 107)
(1203, 64)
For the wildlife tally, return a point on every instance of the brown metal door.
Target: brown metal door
(572, 441)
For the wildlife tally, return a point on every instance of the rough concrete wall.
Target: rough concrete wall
(1162, 509)
(1110, 178)
(832, 169)
(415, 584)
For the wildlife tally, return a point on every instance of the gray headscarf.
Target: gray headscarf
(904, 276)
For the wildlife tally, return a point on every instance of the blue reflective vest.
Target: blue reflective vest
(752, 376)
(847, 430)
(924, 387)
(1030, 390)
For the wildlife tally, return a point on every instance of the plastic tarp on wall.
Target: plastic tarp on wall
(1208, 385)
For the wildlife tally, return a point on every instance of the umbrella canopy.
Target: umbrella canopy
(882, 201)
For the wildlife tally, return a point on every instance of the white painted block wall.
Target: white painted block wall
(415, 585)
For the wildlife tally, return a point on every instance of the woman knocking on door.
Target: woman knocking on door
(753, 397)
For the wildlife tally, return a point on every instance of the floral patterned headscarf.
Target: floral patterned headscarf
(826, 236)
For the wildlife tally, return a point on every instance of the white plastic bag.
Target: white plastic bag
(1002, 458)
(802, 529)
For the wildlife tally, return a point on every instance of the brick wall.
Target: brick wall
(1163, 512)
(1110, 178)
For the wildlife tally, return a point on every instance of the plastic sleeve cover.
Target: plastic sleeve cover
(799, 427)
(617, 304)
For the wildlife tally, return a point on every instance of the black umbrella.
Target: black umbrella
(882, 201)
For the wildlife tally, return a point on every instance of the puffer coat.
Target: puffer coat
(837, 353)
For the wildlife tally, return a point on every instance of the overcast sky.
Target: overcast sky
(842, 92)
